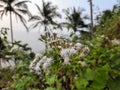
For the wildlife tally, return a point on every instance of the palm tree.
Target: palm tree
(19, 8)
(74, 19)
(91, 15)
(45, 18)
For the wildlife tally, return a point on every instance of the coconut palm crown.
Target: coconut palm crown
(46, 15)
(75, 21)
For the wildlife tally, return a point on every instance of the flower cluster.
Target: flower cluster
(77, 48)
(59, 43)
(65, 54)
(37, 65)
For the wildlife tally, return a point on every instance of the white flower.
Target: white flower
(64, 52)
(103, 36)
(4, 64)
(66, 60)
(31, 70)
(70, 44)
(47, 63)
(67, 52)
(37, 68)
(35, 64)
(83, 63)
(115, 41)
(43, 60)
(72, 51)
(86, 50)
(53, 47)
(59, 47)
(32, 64)
(78, 46)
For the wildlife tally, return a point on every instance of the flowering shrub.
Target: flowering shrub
(78, 67)
(94, 66)
(37, 65)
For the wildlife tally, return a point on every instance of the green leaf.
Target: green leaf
(101, 77)
(50, 88)
(81, 84)
(51, 80)
(89, 74)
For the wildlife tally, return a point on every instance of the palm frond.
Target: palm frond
(22, 20)
(36, 24)
(35, 18)
(2, 13)
(23, 11)
(39, 9)
(21, 3)
(29, 13)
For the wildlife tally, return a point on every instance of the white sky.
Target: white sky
(32, 37)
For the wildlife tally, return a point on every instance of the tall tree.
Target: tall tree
(19, 8)
(74, 19)
(45, 18)
(91, 15)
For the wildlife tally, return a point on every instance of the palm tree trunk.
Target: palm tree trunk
(46, 41)
(11, 26)
(91, 15)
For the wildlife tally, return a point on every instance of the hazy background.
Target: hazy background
(32, 36)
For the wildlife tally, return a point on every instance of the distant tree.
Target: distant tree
(107, 14)
(19, 8)
(74, 19)
(116, 9)
(45, 18)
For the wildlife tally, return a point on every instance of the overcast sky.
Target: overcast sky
(32, 37)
